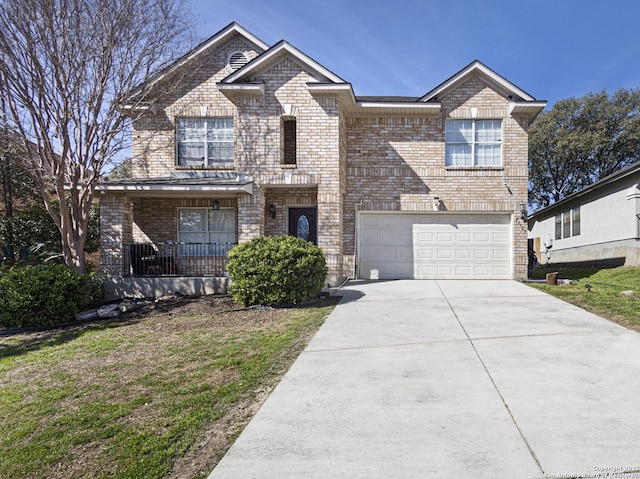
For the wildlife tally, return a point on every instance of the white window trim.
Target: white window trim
(205, 161)
(567, 218)
(473, 144)
(206, 231)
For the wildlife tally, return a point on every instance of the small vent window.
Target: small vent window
(237, 60)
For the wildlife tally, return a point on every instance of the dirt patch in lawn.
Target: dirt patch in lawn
(156, 342)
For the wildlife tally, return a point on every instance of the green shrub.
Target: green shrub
(273, 270)
(41, 295)
(95, 288)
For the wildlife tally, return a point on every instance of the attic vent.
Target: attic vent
(237, 60)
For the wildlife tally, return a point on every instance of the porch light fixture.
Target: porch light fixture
(272, 210)
(523, 211)
(216, 205)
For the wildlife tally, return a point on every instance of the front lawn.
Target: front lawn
(159, 395)
(604, 297)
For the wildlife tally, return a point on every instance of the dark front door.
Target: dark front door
(303, 223)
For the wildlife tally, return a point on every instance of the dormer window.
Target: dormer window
(237, 60)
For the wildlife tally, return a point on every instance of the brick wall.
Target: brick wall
(398, 164)
(115, 229)
(154, 147)
(155, 220)
(342, 163)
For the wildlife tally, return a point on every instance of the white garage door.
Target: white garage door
(434, 246)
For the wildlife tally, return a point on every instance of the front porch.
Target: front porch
(148, 259)
(152, 270)
(172, 234)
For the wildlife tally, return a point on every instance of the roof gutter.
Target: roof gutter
(174, 189)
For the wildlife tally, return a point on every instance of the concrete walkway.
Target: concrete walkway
(451, 379)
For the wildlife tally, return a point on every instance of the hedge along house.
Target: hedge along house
(259, 140)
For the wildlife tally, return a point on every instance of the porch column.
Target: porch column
(115, 230)
(251, 215)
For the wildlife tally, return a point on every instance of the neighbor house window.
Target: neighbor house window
(205, 141)
(289, 148)
(559, 226)
(568, 223)
(575, 214)
(473, 143)
(205, 231)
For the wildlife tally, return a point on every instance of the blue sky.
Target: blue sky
(551, 49)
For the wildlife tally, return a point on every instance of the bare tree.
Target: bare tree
(66, 66)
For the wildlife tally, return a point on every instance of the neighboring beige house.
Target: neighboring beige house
(600, 223)
(263, 140)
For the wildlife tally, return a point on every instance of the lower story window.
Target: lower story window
(205, 231)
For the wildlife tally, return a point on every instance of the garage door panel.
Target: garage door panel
(482, 254)
(482, 238)
(444, 271)
(445, 254)
(500, 254)
(394, 239)
(500, 238)
(500, 271)
(425, 271)
(463, 271)
(463, 254)
(434, 246)
(370, 253)
(482, 271)
(444, 238)
(371, 238)
(426, 237)
(368, 221)
(424, 254)
(462, 238)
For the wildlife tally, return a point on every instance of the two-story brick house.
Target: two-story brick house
(264, 140)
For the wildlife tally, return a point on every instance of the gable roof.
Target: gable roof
(213, 42)
(281, 50)
(467, 72)
(632, 169)
(241, 83)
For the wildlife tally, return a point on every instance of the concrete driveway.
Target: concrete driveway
(451, 379)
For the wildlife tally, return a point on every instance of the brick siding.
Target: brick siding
(343, 163)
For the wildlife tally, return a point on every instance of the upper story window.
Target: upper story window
(205, 141)
(473, 143)
(289, 147)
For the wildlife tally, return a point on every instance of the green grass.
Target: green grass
(604, 298)
(128, 400)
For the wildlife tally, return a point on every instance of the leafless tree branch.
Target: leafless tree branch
(66, 68)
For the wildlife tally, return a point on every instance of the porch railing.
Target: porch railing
(176, 259)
